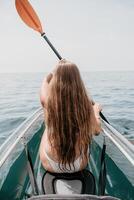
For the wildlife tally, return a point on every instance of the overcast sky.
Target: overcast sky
(95, 34)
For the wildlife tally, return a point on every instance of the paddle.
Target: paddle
(29, 16)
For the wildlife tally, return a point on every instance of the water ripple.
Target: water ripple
(114, 90)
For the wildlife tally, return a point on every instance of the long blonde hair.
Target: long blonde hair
(69, 115)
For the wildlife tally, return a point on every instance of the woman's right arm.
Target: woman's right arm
(97, 109)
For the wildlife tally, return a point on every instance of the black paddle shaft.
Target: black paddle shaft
(104, 118)
(50, 44)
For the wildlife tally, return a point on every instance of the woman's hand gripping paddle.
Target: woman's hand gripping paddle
(29, 16)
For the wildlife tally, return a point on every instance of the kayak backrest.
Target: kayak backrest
(82, 182)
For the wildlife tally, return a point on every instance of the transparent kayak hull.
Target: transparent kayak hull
(14, 179)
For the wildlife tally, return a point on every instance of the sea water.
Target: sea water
(19, 98)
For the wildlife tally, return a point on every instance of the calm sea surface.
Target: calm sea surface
(19, 97)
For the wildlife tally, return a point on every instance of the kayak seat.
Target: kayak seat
(82, 182)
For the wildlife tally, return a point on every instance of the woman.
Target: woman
(71, 120)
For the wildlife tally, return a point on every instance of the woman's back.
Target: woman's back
(51, 158)
(70, 119)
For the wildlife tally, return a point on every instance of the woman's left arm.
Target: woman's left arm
(44, 90)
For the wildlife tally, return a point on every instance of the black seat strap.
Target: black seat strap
(31, 174)
(102, 175)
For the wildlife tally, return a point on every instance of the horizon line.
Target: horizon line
(28, 72)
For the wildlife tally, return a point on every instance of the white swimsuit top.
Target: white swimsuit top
(55, 165)
(74, 167)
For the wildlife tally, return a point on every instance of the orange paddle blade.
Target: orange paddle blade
(28, 15)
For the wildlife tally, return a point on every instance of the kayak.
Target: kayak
(14, 174)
